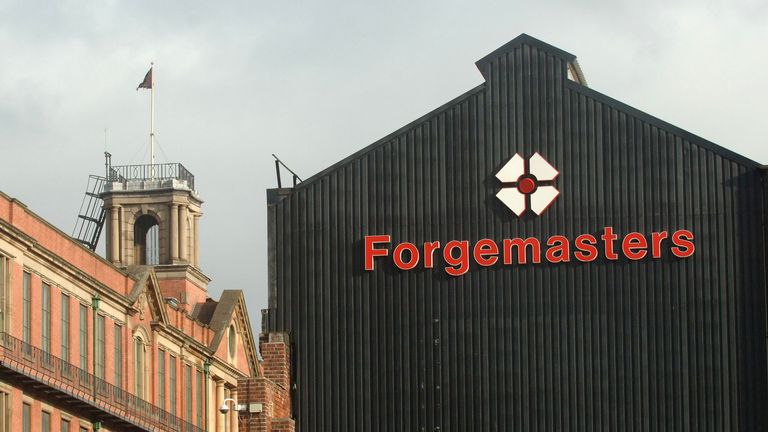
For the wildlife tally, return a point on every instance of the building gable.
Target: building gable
(231, 309)
(426, 345)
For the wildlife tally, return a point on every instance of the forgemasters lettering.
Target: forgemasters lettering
(457, 254)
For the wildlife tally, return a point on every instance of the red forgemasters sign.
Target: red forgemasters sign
(457, 254)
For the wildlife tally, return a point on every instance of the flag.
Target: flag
(147, 83)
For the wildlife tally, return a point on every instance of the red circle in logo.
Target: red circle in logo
(526, 185)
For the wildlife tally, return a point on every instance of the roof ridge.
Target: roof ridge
(522, 39)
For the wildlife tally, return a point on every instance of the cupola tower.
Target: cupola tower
(152, 217)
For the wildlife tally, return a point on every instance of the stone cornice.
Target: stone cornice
(182, 271)
(63, 267)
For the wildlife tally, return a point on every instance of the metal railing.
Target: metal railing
(114, 176)
(68, 378)
(123, 173)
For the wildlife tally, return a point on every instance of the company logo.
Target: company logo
(531, 188)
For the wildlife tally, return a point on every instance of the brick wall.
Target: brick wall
(271, 389)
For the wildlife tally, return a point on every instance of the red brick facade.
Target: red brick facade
(271, 389)
(173, 367)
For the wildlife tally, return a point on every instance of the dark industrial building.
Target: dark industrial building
(531, 256)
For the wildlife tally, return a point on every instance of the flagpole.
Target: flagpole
(152, 119)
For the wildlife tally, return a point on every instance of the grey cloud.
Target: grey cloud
(316, 81)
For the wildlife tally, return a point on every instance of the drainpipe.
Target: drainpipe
(95, 306)
(207, 370)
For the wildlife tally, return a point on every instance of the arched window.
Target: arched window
(146, 232)
(140, 377)
(232, 342)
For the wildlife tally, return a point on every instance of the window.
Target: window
(199, 398)
(46, 324)
(118, 359)
(232, 342)
(83, 429)
(64, 425)
(188, 392)
(26, 418)
(27, 309)
(65, 328)
(83, 337)
(100, 347)
(172, 383)
(3, 285)
(161, 378)
(139, 353)
(146, 240)
(5, 411)
(45, 422)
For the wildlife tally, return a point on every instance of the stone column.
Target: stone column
(121, 235)
(174, 230)
(120, 216)
(219, 401)
(115, 235)
(210, 394)
(196, 237)
(108, 235)
(183, 233)
(233, 420)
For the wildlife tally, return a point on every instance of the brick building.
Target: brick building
(132, 341)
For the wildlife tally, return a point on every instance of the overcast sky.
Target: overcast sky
(315, 81)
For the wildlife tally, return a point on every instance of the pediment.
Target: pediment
(146, 299)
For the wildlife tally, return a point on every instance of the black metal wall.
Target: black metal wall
(654, 345)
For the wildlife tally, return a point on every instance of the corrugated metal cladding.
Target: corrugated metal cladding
(653, 345)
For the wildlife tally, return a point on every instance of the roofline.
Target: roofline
(529, 40)
(389, 137)
(63, 234)
(34, 248)
(218, 335)
(254, 364)
(523, 39)
(519, 40)
(693, 138)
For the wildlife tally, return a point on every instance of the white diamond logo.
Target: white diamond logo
(527, 185)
